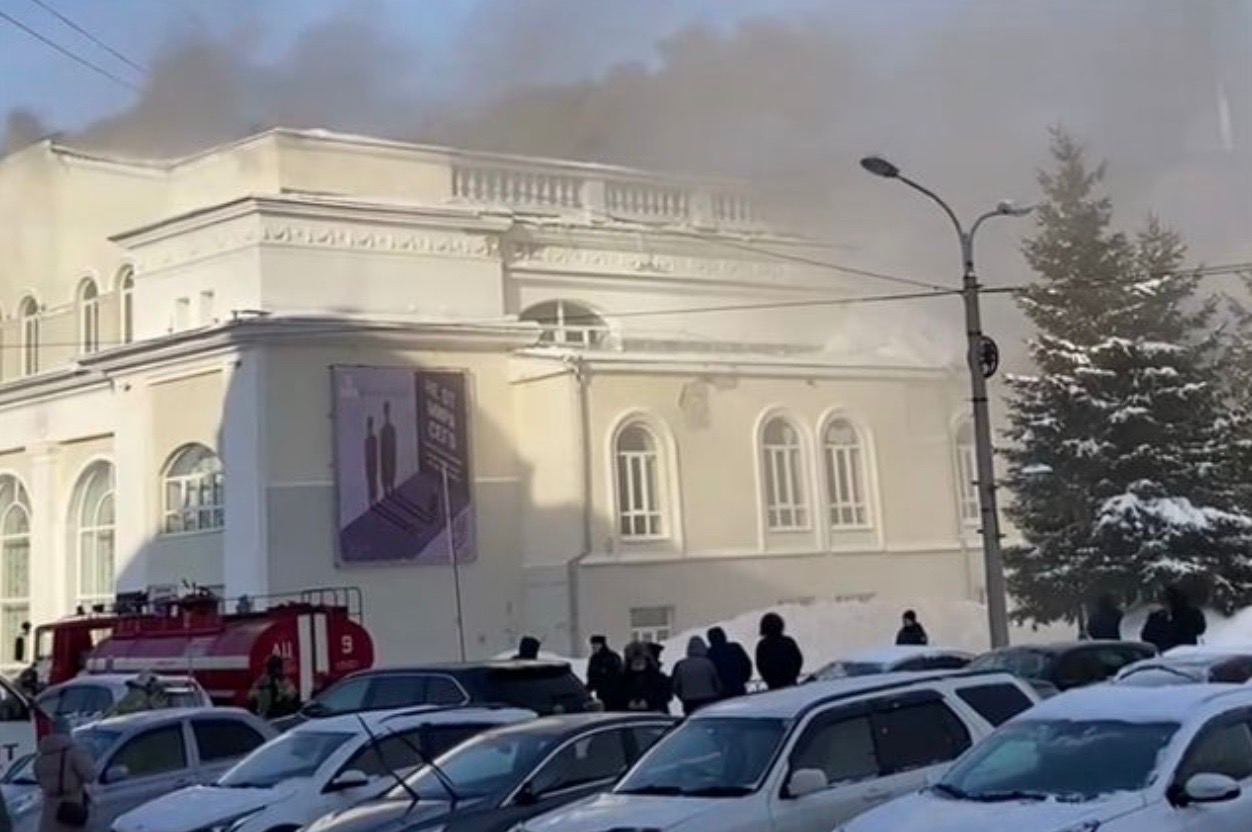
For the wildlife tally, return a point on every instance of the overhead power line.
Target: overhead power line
(85, 33)
(73, 56)
(1225, 270)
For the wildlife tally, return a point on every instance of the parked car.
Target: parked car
(1065, 665)
(17, 730)
(894, 659)
(506, 776)
(1189, 665)
(541, 686)
(88, 697)
(142, 756)
(1113, 758)
(319, 767)
(803, 759)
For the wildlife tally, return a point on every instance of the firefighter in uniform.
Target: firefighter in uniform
(144, 693)
(273, 695)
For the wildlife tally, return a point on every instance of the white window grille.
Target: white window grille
(639, 496)
(568, 324)
(967, 475)
(782, 458)
(651, 625)
(92, 522)
(126, 288)
(845, 476)
(194, 491)
(88, 317)
(206, 307)
(28, 313)
(14, 567)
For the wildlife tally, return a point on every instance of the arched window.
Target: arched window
(28, 313)
(782, 464)
(845, 476)
(14, 566)
(567, 323)
(91, 525)
(640, 515)
(967, 474)
(126, 296)
(88, 316)
(194, 496)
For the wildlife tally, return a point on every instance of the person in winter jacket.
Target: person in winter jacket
(604, 672)
(273, 695)
(62, 769)
(734, 668)
(911, 632)
(527, 648)
(696, 681)
(778, 659)
(145, 692)
(1104, 621)
(644, 686)
(1177, 622)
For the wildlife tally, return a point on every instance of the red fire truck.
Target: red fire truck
(223, 643)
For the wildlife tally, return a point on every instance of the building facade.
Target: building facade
(653, 433)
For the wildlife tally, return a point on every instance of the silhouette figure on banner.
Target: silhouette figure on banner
(387, 451)
(371, 460)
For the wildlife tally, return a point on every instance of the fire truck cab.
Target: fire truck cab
(223, 643)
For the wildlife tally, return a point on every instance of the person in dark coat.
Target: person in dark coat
(778, 659)
(911, 632)
(527, 648)
(1157, 631)
(644, 686)
(1186, 620)
(734, 667)
(604, 672)
(1105, 619)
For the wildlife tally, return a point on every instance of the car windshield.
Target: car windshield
(1063, 759)
(298, 754)
(842, 670)
(712, 757)
(487, 765)
(1025, 664)
(97, 741)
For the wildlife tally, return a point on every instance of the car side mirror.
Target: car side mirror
(350, 779)
(526, 795)
(1210, 788)
(116, 774)
(805, 781)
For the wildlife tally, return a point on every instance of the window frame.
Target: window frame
(28, 314)
(126, 304)
(511, 799)
(794, 459)
(178, 727)
(88, 535)
(11, 603)
(87, 299)
(965, 469)
(820, 722)
(640, 632)
(213, 724)
(195, 482)
(644, 475)
(1239, 716)
(555, 331)
(855, 461)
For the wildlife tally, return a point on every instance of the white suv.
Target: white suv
(1113, 758)
(802, 759)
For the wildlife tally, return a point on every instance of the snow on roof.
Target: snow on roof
(1175, 703)
(890, 654)
(788, 702)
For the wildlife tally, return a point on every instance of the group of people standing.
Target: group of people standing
(712, 670)
(1176, 622)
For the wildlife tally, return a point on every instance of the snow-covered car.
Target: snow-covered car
(894, 659)
(1188, 665)
(803, 759)
(322, 766)
(141, 756)
(1109, 757)
(1065, 665)
(502, 777)
(89, 697)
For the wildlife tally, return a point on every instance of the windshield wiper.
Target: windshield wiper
(950, 791)
(663, 790)
(1007, 796)
(378, 752)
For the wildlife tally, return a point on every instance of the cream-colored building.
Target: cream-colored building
(646, 454)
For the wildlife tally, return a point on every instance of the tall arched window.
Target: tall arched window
(91, 523)
(126, 296)
(966, 474)
(640, 513)
(28, 313)
(782, 464)
(567, 323)
(88, 316)
(194, 491)
(14, 566)
(845, 476)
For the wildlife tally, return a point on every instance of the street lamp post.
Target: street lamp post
(981, 357)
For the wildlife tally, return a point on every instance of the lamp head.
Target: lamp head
(879, 166)
(1008, 208)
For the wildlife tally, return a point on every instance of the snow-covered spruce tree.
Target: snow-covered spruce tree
(1119, 453)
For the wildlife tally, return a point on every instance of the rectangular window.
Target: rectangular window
(995, 703)
(784, 489)
(846, 487)
(639, 504)
(182, 314)
(651, 624)
(206, 307)
(842, 748)
(918, 736)
(967, 483)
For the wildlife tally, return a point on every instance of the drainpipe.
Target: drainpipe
(579, 374)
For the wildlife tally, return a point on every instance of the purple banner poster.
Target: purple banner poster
(402, 467)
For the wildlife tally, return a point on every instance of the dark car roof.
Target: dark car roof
(1058, 647)
(564, 724)
(464, 668)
